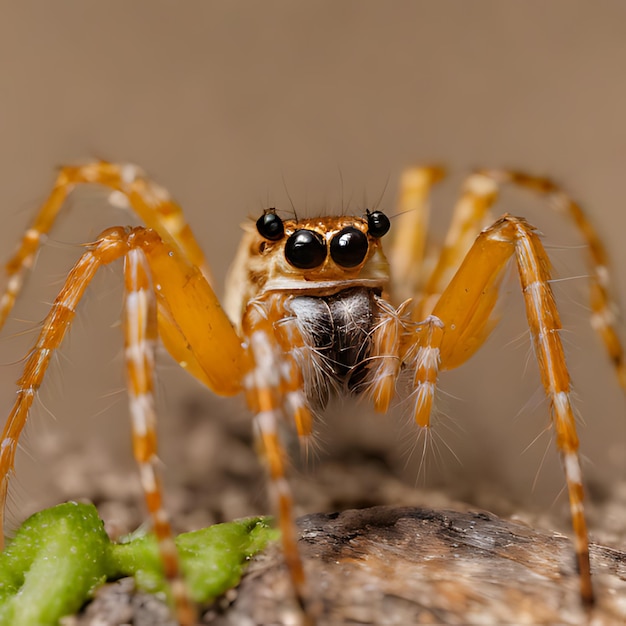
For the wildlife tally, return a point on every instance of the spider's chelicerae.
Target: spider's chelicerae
(313, 306)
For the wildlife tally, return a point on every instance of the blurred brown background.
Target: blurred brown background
(228, 104)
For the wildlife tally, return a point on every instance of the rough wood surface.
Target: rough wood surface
(409, 565)
(387, 565)
(434, 562)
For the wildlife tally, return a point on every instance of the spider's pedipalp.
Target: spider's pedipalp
(425, 360)
(387, 338)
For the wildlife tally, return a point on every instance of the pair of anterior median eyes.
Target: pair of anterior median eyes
(306, 249)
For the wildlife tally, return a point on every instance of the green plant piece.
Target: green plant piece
(59, 556)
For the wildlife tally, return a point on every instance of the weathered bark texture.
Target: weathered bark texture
(389, 565)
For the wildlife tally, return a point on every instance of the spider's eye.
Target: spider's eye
(348, 247)
(378, 224)
(270, 226)
(305, 249)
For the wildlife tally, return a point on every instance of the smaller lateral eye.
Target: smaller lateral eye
(270, 226)
(378, 223)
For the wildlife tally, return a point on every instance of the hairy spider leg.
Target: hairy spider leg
(192, 324)
(109, 247)
(140, 338)
(462, 316)
(151, 202)
(387, 339)
(424, 358)
(273, 377)
(217, 355)
(410, 229)
(603, 303)
(140, 334)
(471, 214)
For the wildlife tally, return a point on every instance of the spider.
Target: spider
(313, 307)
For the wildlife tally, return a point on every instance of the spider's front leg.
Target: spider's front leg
(274, 391)
(194, 328)
(461, 321)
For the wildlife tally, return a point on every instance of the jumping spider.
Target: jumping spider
(313, 306)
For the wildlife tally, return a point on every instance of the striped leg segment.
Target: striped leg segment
(543, 317)
(292, 379)
(151, 202)
(603, 305)
(188, 315)
(471, 214)
(141, 333)
(465, 308)
(425, 361)
(110, 246)
(410, 227)
(156, 277)
(387, 362)
(264, 393)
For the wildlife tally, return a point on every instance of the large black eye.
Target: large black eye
(377, 224)
(305, 249)
(270, 226)
(348, 247)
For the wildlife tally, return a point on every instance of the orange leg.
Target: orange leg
(265, 386)
(148, 200)
(471, 214)
(217, 352)
(603, 306)
(192, 324)
(464, 310)
(424, 357)
(141, 334)
(386, 338)
(410, 227)
(111, 245)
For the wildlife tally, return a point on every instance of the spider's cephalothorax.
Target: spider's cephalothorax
(321, 279)
(310, 310)
(315, 256)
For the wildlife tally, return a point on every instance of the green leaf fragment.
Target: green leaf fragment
(59, 556)
(56, 559)
(213, 559)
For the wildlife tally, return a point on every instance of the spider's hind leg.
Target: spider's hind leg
(604, 309)
(149, 201)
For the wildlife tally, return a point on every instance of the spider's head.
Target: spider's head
(309, 254)
(317, 256)
(332, 242)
